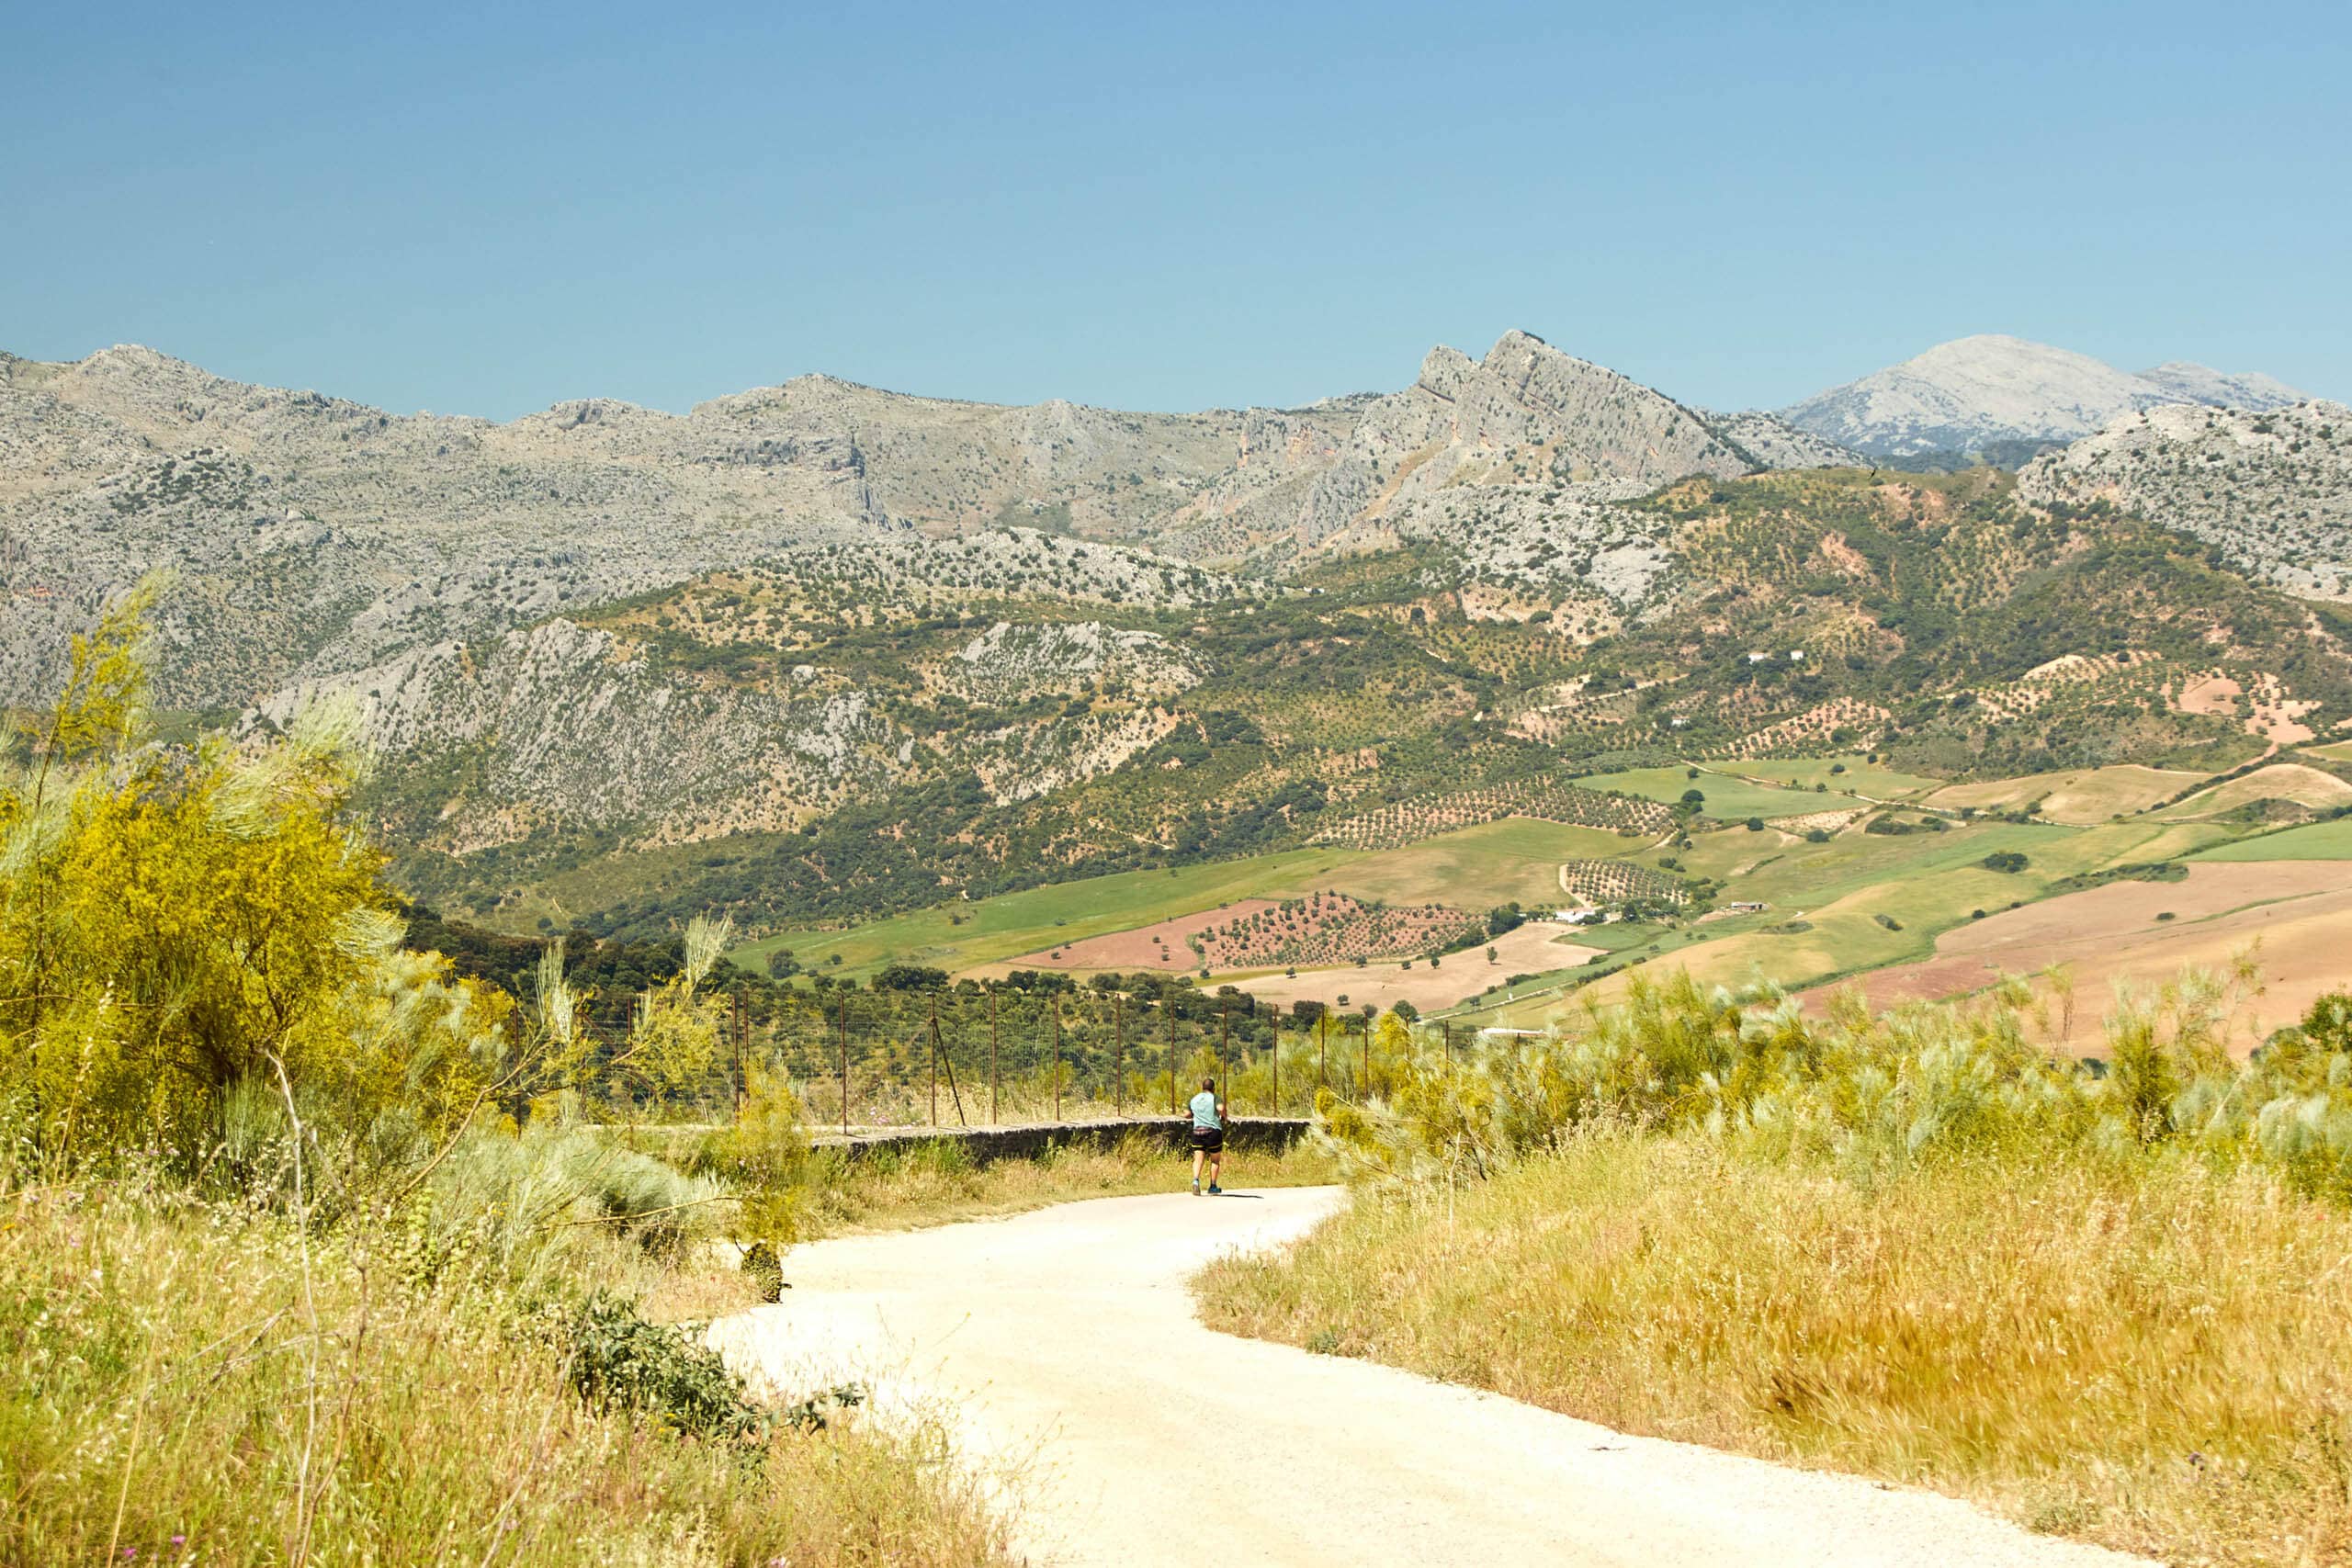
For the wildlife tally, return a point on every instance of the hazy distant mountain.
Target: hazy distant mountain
(1992, 391)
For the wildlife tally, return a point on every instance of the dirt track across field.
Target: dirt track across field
(1063, 1345)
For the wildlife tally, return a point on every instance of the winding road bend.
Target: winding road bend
(1064, 1344)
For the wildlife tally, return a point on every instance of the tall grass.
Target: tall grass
(2117, 1307)
(198, 1382)
(2158, 1356)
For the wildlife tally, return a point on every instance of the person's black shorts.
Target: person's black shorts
(1208, 1140)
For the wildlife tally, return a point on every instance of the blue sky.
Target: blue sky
(486, 210)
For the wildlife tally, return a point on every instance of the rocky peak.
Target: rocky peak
(1992, 388)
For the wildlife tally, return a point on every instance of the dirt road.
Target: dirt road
(1066, 1342)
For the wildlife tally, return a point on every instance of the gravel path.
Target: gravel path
(1064, 1342)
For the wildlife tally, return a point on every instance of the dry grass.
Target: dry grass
(189, 1383)
(2140, 1352)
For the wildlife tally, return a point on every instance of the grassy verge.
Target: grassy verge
(194, 1382)
(2143, 1353)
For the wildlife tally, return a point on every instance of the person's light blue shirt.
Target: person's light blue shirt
(1205, 1111)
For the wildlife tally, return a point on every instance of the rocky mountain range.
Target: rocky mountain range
(317, 538)
(1992, 394)
(607, 631)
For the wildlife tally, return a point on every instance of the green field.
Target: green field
(1726, 797)
(1804, 874)
(959, 936)
(1873, 778)
(1514, 860)
(1925, 883)
(2315, 840)
(1866, 899)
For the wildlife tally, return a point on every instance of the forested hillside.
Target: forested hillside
(1937, 620)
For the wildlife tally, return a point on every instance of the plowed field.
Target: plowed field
(2294, 917)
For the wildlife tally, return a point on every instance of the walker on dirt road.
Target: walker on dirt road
(1208, 1136)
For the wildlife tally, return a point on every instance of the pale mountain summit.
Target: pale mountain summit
(1981, 392)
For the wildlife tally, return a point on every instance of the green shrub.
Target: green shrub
(619, 1361)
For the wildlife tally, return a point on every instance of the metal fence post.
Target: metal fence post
(1224, 1040)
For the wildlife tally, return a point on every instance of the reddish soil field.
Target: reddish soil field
(2293, 917)
(1165, 945)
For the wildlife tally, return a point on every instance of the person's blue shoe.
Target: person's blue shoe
(1215, 1190)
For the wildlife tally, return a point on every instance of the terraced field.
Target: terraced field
(1851, 772)
(1516, 859)
(965, 936)
(1858, 901)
